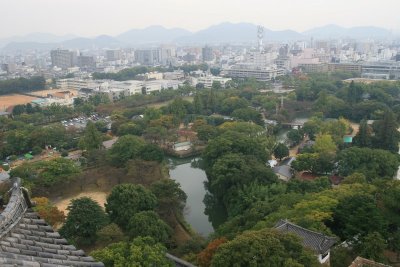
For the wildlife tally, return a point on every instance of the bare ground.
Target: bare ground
(14, 99)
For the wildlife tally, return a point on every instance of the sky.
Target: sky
(94, 17)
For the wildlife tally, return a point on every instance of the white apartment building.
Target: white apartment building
(208, 81)
(260, 73)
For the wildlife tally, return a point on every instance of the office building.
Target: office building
(113, 54)
(207, 53)
(63, 59)
(149, 57)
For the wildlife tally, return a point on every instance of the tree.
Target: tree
(170, 195)
(364, 136)
(281, 151)
(349, 217)
(206, 132)
(386, 134)
(110, 234)
(263, 248)
(127, 147)
(91, 138)
(142, 251)
(204, 257)
(148, 223)
(372, 247)
(295, 136)
(84, 219)
(233, 142)
(126, 200)
(248, 114)
(232, 171)
(36, 150)
(46, 173)
(151, 152)
(47, 211)
(324, 144)
(373, 163)
(130, 128)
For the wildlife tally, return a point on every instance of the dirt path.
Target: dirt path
(99, 197)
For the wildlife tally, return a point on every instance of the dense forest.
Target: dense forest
(22, 85)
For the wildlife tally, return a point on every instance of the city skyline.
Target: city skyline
(92, 18)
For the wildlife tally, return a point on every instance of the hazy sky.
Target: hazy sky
(94, 17)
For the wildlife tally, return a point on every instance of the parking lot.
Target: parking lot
(81, 122)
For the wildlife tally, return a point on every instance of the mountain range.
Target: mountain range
(222, 33)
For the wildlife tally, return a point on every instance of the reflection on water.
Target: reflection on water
(192, 181)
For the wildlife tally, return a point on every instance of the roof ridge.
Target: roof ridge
(308, 230)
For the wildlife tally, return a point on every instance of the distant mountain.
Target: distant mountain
(36, 38)
(152, 34)
(335, 31)
(236, 33)
(222, 33)
(102, 41)
(25, 46)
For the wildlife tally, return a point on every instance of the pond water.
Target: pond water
(192, 180)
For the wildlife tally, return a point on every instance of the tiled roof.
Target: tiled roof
(318, 242)
(27, 240)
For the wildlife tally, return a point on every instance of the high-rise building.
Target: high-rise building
(207, 53)
(63, 58)
(113, 54)
(86, 62)
(148, 57)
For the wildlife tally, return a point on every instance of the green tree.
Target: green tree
(170, 196)
(386, 134)
(295, 136)
(263, 248)
(127, 147)
(349, 217)
(109, 234)
(91, 138)
(141, 252)
(324, 144)
(126, 200)
(364, 136)
(372, 247)
(84, 219)
(232, 171)
(281, 151)
(248, 114)
(373, 163)
(234, 142)
(148, 223)
(151, 152)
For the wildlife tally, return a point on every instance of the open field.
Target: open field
(44, 93)
(99, 197)
(14, 99)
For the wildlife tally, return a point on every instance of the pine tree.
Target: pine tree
(364, 136)
(386, 134)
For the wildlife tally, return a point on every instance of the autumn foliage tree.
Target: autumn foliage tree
(46, 210)
(204, 257)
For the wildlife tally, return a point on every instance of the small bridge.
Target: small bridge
(294, 125)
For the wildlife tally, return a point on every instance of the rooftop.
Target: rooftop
(318, 242)
(27, 240)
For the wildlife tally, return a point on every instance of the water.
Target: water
(192, 180)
